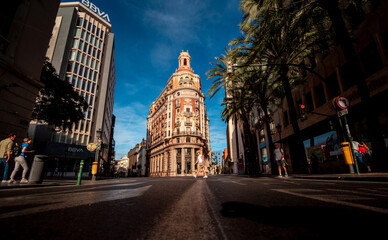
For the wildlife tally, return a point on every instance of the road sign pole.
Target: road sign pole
(350, 139)
(81, 166)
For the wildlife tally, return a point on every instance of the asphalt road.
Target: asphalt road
(220, 207)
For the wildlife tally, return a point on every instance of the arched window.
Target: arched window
(185, 62)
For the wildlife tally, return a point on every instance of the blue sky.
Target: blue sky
(149, 35)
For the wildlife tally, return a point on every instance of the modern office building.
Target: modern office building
(25, 30)
(82, 51)
(177, 124)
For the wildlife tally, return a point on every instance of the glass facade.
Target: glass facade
(83, 70)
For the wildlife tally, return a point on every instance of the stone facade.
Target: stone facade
(177, 124)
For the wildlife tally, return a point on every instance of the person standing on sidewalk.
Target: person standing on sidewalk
(279, 158)
(201, 164)
(21, 160)
(5, 153)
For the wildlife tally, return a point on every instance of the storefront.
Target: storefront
(64, 159)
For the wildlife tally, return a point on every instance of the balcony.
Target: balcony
(198, 134)
(188, 124)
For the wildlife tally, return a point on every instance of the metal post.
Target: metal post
(351, 143)
(81, 166)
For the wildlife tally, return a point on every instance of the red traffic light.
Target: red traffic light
(302, 106)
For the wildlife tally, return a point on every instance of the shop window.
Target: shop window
(370, 59)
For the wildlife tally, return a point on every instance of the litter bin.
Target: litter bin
(348, 155)
(347, 151)
(36, 174)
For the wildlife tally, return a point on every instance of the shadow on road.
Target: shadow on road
(325, 222)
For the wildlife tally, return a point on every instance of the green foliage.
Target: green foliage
(58, 104)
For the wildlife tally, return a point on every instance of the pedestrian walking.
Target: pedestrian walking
(5, 153)
(279, 158)
(21, 160)
(201, 164)
(358, 149)
(365, 154)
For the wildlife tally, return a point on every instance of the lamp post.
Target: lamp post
(97, 156)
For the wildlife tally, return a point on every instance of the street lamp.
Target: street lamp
(97, 156)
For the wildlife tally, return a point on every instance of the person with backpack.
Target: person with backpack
(5, 153)
(21, 160)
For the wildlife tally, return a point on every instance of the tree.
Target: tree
(238, 105)
(282, 36)
(58, 104)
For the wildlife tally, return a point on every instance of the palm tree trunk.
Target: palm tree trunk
(343, 39)
(271, 158)
(250, 149)
(299, 162)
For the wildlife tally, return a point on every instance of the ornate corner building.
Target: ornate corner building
(177, 124)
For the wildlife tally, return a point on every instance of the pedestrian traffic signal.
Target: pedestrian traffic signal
(302, 110)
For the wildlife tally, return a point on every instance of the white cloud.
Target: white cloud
(130, 128)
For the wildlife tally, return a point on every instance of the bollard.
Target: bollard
(37, 173)
(81, 166)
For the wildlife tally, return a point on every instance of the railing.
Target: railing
(187, 134)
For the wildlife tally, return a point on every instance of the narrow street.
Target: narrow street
(220, 207)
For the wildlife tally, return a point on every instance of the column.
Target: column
(173, 162)
(193, 160)
(183, 160)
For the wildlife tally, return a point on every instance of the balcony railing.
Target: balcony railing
(174, 134)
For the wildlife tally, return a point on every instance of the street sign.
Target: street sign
(91, 147)
(342, 102)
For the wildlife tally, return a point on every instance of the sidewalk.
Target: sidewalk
(51, 182)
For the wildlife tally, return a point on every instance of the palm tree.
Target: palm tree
(238, 104)
(282, 37)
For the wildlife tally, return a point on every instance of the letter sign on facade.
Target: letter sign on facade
(95, 9)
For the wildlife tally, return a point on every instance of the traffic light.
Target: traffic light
(302, 109)
(230, 67)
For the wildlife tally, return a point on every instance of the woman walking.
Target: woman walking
(201, 164)
(21, 160)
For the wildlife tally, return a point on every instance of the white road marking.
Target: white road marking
(68, 199)
(329, 199)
